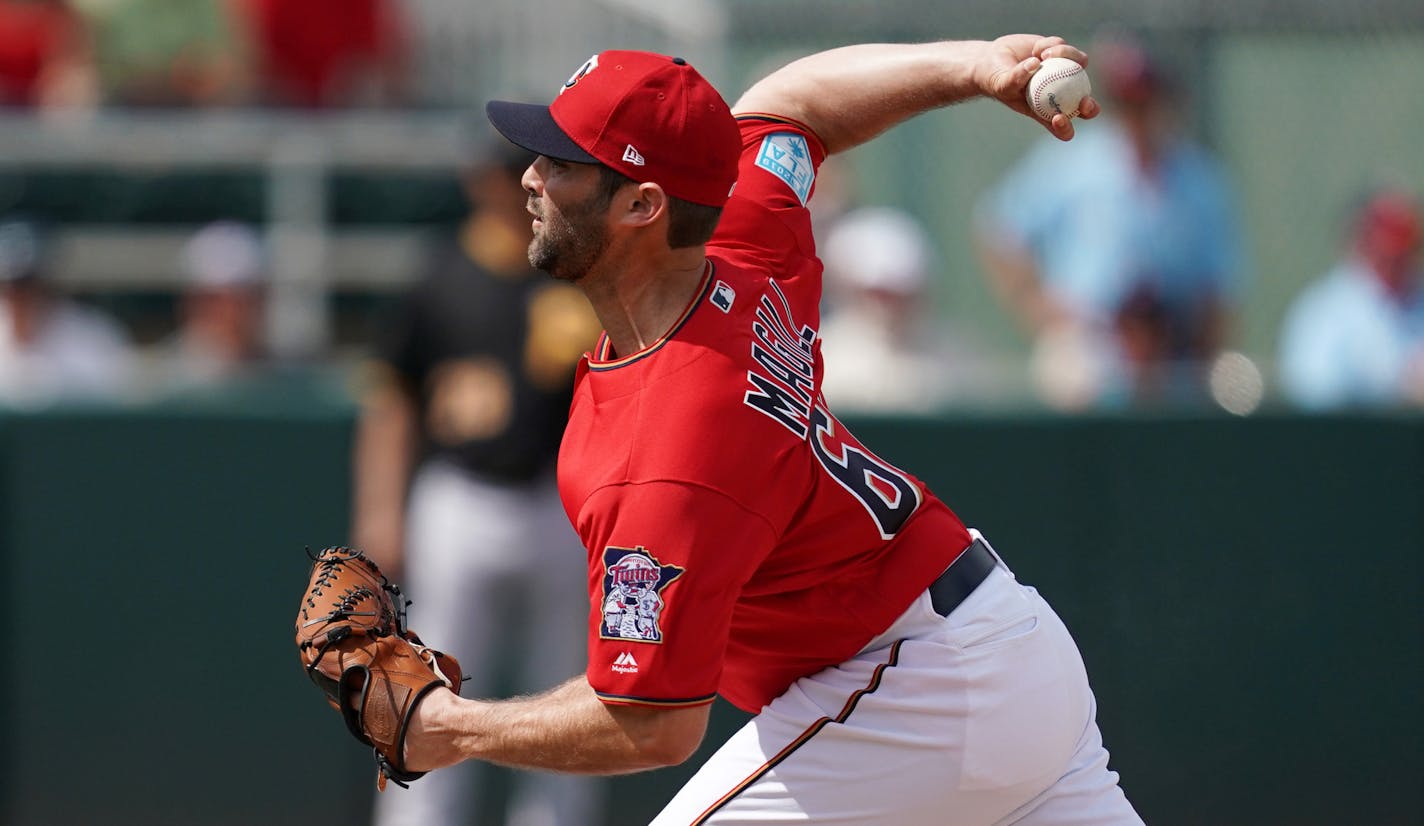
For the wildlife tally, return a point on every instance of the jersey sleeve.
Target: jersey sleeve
(407, 339)
(766, 223)
(401, 342)
(667, 562)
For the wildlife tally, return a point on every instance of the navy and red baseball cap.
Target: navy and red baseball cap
(649, 116)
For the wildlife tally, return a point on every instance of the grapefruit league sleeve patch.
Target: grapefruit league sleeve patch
(633, 582)
(786, 155)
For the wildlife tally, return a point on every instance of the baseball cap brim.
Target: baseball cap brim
(532, 127)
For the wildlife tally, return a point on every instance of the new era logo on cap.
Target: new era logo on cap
(648, 116)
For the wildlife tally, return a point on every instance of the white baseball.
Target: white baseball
(1059, 85)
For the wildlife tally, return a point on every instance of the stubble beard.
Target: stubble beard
(568, 243)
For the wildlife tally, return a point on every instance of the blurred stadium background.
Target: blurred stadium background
(1247, 591)
(1308, 104)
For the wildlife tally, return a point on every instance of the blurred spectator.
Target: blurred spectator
(454, 482)
(1118, 251)
(1356, 336)
(168, 52)
(46, 59)
(884, 350)
(220, 331)
(51, 348)
(326, 53)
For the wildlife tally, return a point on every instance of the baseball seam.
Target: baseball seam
(1038, 90)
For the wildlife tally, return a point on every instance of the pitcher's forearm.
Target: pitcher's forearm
(851, 94)
(567, 729)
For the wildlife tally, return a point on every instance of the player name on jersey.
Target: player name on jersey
(785, 390)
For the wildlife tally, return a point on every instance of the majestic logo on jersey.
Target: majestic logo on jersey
(723, 296)
(625, 664)
(785, 155)
(783, 387)
(633, 581)
(587, 67)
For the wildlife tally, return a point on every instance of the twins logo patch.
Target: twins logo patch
(785, 155)
(633, 581)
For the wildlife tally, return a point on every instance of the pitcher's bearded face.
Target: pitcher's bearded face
(568, 239)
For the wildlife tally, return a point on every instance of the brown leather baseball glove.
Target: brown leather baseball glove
(352, 640)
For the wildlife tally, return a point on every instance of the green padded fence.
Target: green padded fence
(1246, 594)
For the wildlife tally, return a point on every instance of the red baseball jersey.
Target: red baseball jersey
(738, 536)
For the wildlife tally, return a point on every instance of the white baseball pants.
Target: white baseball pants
(984, 717)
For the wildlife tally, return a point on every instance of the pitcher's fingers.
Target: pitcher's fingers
(1045, 44)
(1018, 77)
(1061, 126)
(1067, 50)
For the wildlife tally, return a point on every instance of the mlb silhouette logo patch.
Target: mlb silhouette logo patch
(723, 296)
(786, 156)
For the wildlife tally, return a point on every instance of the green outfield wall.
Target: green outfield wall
(1246, 594)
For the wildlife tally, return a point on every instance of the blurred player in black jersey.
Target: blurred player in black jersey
(454, 480)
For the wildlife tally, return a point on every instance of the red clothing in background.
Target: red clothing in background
(313, 52)
(32, 35)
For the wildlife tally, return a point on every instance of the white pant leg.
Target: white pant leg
(469, 541)
(967, 721)
(1088, 795)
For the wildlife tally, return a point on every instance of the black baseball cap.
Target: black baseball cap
(531, 127)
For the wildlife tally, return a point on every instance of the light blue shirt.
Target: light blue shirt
(1348, 342)
(1098, 227)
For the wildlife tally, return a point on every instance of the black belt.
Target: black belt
(961, 577)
